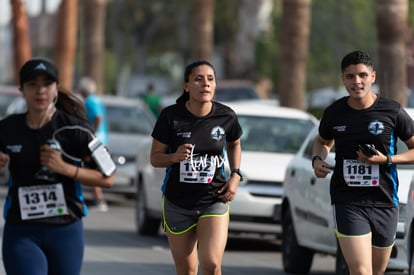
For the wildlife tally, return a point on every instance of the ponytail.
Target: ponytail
(71, 104)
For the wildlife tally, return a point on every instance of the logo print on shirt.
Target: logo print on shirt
(14, 148)
(340, 128)
(217, 133)
(376, 127)
(184, 134)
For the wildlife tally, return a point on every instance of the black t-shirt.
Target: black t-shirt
(381, 125)
(23, 145)
(193, 184)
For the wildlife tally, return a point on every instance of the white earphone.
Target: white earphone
(54, 101)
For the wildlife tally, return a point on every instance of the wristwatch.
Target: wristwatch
(236, 171)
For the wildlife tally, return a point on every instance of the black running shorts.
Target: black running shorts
(353, 220)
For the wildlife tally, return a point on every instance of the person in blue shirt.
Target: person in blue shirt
(96, 115)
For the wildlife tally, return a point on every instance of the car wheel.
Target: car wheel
(146, 225)
(411, 265)
(296, 259)
(341, 268)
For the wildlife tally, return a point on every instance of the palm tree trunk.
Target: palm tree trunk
(202, 29)
(94, 41)
(392, 26)
(294, 42)
(66, 42)
(21, 38)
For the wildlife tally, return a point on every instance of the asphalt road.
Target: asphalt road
(113, 247)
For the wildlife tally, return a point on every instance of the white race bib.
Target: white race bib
(359, 174)
(42, 201)
(192, 171)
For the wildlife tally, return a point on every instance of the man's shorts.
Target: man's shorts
(178, 220)
(353, 220)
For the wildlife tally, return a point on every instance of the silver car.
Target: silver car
(130, 124)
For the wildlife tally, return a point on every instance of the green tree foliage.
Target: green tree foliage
(148, 26)
(411, 15)
(268, 47)
(337, 28)
(163, 27)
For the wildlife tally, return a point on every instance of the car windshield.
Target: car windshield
(235, 93)
(273, 134)
(5, 100)
(128, 120)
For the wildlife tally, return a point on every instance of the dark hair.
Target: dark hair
(356, 57)
(71, 104)
(188, 70)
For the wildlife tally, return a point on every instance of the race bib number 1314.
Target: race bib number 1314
(42, 201)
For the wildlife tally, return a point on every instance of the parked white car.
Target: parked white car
(307, 218)
(409, 230)
(271, 137)
(130, 124)
(409, 227)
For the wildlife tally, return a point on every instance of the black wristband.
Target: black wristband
(236, 171)
(389, 160)
(315, 158)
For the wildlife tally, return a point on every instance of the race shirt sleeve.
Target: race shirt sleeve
(405, 125)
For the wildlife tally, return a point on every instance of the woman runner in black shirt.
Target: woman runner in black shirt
(43, 232)
(192, 139)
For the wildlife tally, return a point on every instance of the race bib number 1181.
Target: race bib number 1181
(359, 174)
